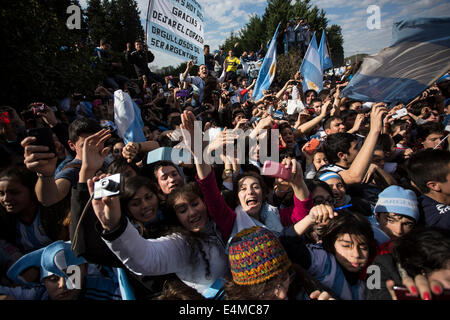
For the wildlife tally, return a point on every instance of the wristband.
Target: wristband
(139, 147)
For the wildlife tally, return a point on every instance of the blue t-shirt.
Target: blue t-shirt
(71, 172)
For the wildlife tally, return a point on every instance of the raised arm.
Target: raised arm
(38, 159)
(218, 209)
(311, 124)
(359, 166)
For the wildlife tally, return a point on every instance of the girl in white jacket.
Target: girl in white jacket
(195, 251)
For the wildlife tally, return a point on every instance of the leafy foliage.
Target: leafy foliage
(44, 60)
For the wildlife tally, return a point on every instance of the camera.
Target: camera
(107, 187)
(400, 113)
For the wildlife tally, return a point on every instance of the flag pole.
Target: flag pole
(146, 21)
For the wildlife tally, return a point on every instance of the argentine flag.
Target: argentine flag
(418, 56)
(311, 68)
(324, 54)
(127, 118)
(268, 69)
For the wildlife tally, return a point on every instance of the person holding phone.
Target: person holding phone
(417, 268)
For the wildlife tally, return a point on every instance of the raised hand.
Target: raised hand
(376, 117)
(420, 285)
(106, 209)
(48, 116)
(94, 151)
(130, 151)
(37, 158)
(322, 213)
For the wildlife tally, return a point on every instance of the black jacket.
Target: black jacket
(140, 61)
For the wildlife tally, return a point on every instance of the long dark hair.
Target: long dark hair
(21, 174)
(351, 223)
(131, 187)
(191, 191)
(423, 250)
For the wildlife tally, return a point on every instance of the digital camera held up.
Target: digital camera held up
(107, 187)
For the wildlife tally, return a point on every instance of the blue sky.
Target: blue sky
(224, 16)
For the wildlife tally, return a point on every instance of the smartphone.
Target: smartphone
(313, 144)
(276, 170)
(44, 137)
(403, 293)
(183, 93)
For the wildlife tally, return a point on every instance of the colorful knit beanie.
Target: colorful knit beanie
(256, 255)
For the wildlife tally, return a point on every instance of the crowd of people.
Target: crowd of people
(368, 187)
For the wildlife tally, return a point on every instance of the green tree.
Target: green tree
(44, 59)
(259, 30)
(96, 20)
(335, 42)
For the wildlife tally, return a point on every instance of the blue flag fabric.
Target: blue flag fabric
(268, 69)
(324, 54)
(127, 117)
(311, 68)
(418, 56)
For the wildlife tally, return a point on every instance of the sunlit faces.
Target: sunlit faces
(433, 117)
(203, 71)
(250, 195)
(432, 140)
(311, 95)
(78, 145)
(352, 152)
(319, 160)
(117, 149)
(338, 188)
(168, 179)
(191, 211)
(317, 106)
(281, 290)
(144, 205)
(351, 251)
(57, 289)
(138, 46)
(14, 196)
(394, 225)
(336, 126)
(287, 136)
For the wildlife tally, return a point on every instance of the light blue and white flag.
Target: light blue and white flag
(324, 53)
(127, 118)
(311, 68)
(268, 69)
(418, 56)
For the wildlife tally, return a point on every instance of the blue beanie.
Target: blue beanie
(397, 200)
